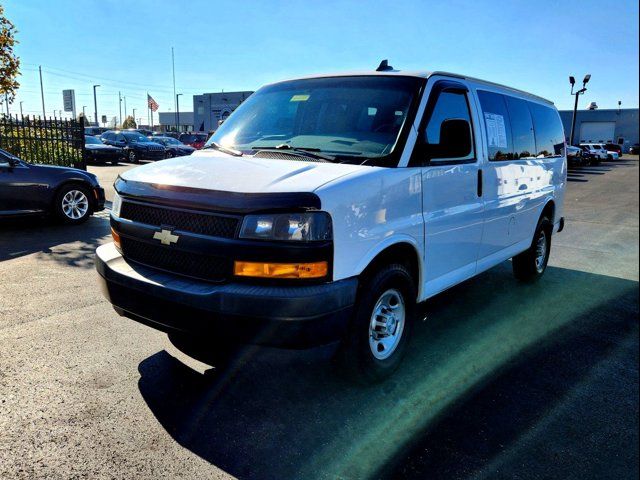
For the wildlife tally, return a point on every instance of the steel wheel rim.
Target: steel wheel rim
(387, 324)
(75, 204)
(132, 156)
(541, 251)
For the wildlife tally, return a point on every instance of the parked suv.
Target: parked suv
(173, 147)
(135, 145)
(614, 147)
(595, 152)
(325, 208)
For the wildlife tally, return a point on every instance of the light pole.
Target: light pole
(178, 112)
(134, 116)
(84, 114)
(21, 101)
(95, 104)
(577, 94)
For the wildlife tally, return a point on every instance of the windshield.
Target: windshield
(168, 141)
(92, 140)
(337, 115)
(136, 137)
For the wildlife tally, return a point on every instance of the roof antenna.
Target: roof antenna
(384, 66)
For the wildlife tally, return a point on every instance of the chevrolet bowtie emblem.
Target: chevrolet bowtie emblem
(166, 237)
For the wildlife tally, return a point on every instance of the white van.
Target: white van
(325, 208)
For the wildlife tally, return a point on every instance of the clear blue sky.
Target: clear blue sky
(238, 45)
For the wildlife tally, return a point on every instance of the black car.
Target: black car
(68, 193)
(134, 145)
(173, 147)
(97, 152)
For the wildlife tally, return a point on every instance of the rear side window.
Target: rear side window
(524, 140)
(497, 125)
(548, 129)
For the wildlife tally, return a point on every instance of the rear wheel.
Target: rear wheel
(133, 158)
(530, 265)
(381, 327)
(72, 204)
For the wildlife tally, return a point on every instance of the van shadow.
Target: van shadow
(72, 245)
(289, 414)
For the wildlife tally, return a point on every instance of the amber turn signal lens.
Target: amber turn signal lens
(116, 237)
(281, 270)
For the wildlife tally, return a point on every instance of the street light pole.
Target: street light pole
(21, 114)
(577, 94)
(134, 116)
(178, 112)
(95, 104)
(120, 106)
(84, 115)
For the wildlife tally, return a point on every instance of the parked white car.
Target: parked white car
(595, 150)
(325, 208)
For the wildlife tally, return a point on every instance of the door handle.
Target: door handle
(479, 182)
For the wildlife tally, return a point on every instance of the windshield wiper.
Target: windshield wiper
(217, 146)
(307, 152)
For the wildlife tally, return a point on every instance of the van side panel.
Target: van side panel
(515, 191)
(373, 209)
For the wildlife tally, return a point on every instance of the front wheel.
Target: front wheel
(72, 204)
(379, 332)
(133, 158)
(531, 264)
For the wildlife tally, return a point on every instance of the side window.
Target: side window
(497, 125)
(548, 129)
(446, 123)
(120, 138)
(524, 141)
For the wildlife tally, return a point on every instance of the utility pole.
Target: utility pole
(134, 116)
(178, 113)
(173, 67)
(120, 105)
(125, 107)
(84, 115)
(44, 115)
(21, 102)
(95, 104)
(577, 94)
(6, 101)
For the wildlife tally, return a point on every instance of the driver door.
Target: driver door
(18, 192)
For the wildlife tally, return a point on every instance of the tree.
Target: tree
(129, 122)
(9, 62)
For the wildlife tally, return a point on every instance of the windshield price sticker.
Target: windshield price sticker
(299, 98)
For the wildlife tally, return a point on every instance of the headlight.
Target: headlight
(116, 205)
(303, 227)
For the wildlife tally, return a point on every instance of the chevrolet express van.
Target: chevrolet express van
(325, 208)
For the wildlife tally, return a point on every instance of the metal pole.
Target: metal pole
(6, 101)
(573, 121)
(134, 117)
(95, 104)
(173, 67)
(125, 107)
(44, 114)
(21, 114)
(120, 105)
(178, 112)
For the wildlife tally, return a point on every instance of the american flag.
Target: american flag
(153, 105)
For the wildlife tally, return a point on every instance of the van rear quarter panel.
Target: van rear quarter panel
(372, 210)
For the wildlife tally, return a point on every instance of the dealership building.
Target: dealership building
(603, 126)
(211, 108)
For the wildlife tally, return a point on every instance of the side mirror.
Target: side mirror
(455, 140)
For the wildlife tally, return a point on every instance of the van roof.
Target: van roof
(422, 74)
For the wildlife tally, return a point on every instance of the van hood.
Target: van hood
(214, 170)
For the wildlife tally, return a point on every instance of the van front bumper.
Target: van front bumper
(280, 316)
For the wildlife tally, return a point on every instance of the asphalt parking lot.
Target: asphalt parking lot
(502, 380)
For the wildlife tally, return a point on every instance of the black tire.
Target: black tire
(114, 162)
(67, 214)
(216, 354)
(132, 156)
(529, 266)
(355, 354)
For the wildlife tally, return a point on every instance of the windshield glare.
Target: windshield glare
(92, 140)
(336, 115)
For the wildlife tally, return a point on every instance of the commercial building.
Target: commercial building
(167, 121)
(210, 108)
(603, 126)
